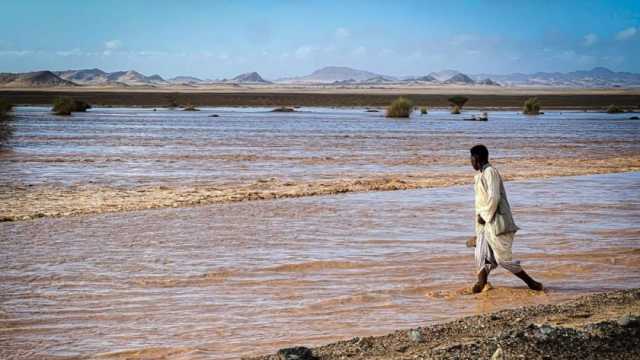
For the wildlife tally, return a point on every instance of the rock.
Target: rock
(634, 118)
(283, 109)
(415, 336)
(629, 321)
(498, 354)
(471, 242)
(295, 353)
(214, 115)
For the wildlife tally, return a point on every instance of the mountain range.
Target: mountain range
(332, 75)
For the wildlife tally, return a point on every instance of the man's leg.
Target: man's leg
(513, 266)
(485, 262)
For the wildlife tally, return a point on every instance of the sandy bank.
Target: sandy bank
(591, 327)
(19, 202)
(550, 98)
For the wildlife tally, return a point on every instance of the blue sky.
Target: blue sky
(217, 39)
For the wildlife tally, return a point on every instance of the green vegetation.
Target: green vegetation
(614, 109)
(531, 107)
(66, 105)
(423, 110)
(5, 107)
(458, 100)
(400, 108)
(455, 110)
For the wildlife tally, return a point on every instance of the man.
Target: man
(495, 228)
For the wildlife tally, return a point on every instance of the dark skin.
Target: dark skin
(477, 164)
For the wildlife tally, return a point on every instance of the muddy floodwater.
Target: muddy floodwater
(124, 159)
(134, 147)
(227, 280)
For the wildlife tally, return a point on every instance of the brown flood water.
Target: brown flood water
(238, 279)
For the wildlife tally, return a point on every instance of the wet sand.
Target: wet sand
(249, 278)
(114, 160)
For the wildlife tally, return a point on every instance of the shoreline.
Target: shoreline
(601, 325)
(502, 99)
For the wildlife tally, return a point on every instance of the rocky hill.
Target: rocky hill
(33, 79)
(250, 77)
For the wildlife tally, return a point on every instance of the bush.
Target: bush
(400, 108)
(423, 110)
(614, 109)
(5, 107)
(458, 100)
(531, 107)
(66, 105)
(455, 110)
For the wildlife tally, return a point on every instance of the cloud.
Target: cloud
(112, 44)
(360, 50)
(303, 51)
(627, 33)
(74, 52)
(342, 33)
(15, 52)
(590, 39)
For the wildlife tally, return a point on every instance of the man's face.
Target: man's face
(475, 163)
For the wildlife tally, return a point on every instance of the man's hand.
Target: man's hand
(471, 242)
(480, 220)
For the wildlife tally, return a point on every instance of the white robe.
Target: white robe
(491, 249)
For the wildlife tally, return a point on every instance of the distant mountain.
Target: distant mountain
(331, 74)
(488, 82)
(596, 77)
(87, 76)
(250, 77)
(444, 75)
(460, 78)
(33, 79)
(185, 80)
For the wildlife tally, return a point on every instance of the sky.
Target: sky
(220, 39)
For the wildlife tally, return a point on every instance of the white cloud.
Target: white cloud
(303, 51)
(590, 39)
(15, 52)
(342, 33)
(360, 50)
(113, 44)
(627, 33)
(74, 52)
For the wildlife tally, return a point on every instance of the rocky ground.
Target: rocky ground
(600, 326)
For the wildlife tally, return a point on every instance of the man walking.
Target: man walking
(495, 228)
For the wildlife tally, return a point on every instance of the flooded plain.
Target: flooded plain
(117, 159)
(132, 233)
(235, 279)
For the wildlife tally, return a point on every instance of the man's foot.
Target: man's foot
(532, 284)
(482, 281)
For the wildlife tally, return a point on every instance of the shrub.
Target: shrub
(423, 110)
(458, 100)
(400, 108)
(66, 105)
(5, 107)
(614, 109)
(455, 110)
(531, 107)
